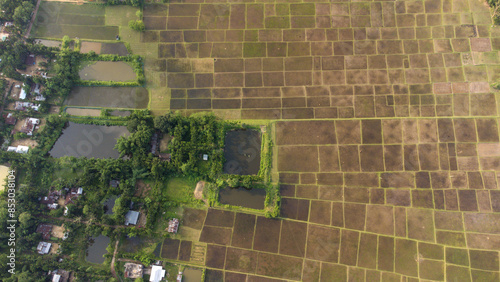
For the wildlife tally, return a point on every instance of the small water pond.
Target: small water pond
(97, 249)
(248, 198)
(107, 71)
(109, 97)
(242, 152)
(192, 275)
(87, 140)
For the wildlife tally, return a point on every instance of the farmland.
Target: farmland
(384, 125)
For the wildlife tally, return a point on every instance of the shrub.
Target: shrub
(137, 25)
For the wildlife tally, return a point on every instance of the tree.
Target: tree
(24, 219)
(8, 6)
(22, 14)
(137, 25)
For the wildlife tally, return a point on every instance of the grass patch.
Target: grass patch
(120, 15)
(181, 190)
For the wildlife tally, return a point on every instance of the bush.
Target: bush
(137, 25)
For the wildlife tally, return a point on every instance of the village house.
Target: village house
(72, 194)
(30, 60)
(9, 119)
(4, 33)
(23, 106)
(173, 225)
(157, 273)
(36, 89)
(43, 248)
(19, 149)
(114, 183)
(23, 93)
(30, 124)
(131, 217)
(60, 275)
(155, 143)
(45, 230)
(51, 200)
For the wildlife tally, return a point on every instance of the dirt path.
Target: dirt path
(78, 2)
(28, 31)
(113, 260)
(82, 221)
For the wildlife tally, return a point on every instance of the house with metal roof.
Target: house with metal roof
(131, 217)
(43, 248)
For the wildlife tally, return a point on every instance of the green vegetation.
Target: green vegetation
(137, 25)
(135, 3)
(495, 15)
(181, 190)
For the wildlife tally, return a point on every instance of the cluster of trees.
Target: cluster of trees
(192, 137)
(135, 3)
(137, 25)
(495, 15)
(18, 11)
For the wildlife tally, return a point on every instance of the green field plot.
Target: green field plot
(55, 20)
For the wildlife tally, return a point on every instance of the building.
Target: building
(45, 230)
(23, 93)
(37, 89)
(30, 60)
(60, 275)
(30, 124)
(73, 193)
(40, 98)
(10, 119)
(4, 33)
(155, 143)
(133, 270)
(23, 106)
(19, 149)
(114, 183)
(179, 277)
(157, 273)
(131, 217)
(173, 225)
(43, 248)
(51, 200)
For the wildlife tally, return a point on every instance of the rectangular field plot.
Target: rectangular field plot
(109, 97)
(55, 20)
(84, 32)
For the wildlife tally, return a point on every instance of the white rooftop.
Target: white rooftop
(157, 273)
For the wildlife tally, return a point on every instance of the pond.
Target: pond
(83, 112)
(97, 249)
(192, 275)
(107, 71)
(109, 204)
(109, 97)
(248, 198)
(242, 152)
(87, 140)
